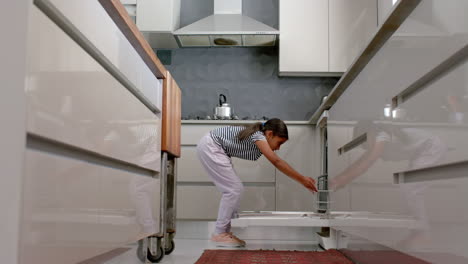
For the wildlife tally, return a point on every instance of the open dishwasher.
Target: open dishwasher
(330, 221)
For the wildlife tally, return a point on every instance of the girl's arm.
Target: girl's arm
(284, 167)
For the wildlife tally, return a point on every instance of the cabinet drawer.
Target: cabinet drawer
(439, 137)
(90, 18)
(417, 47)
(191, 134)
(351, 26)
(77, 102)
(300, 152)
(81, 209)
(202, 202)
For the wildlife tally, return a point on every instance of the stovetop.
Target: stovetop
(217, 118)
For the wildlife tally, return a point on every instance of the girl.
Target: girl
(215, 150)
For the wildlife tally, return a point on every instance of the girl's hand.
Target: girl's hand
(309, 183)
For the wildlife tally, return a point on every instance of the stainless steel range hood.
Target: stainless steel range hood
(226, 27)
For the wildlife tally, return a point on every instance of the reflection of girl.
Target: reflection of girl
(392, 143)
(215, 151)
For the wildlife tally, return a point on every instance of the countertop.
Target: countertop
(238, 122)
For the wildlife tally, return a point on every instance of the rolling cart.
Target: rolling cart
(162, 243)
(152, 249)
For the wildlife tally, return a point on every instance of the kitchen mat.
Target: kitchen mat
(393, 257)
(271, 257)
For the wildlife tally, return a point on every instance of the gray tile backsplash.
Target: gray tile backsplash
(249, 79)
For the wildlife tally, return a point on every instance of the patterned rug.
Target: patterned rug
(393, 257)
(271, 257)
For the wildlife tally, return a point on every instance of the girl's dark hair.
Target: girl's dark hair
(276, 125)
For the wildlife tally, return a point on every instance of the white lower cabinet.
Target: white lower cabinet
(81, 104)
(265, 187)
(112, 44)
(301, 151)
(339, 133)
(352, 24)
(418, 183)
(191, 170)
(202, 202)
(74, 209)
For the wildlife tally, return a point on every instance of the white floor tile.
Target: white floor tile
(187, 251)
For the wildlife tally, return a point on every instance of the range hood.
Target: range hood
(227, 27)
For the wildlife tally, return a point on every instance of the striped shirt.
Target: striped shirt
(246, 149)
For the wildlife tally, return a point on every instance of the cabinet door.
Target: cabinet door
(192, 133)
(191, 170)
(351, 25)
(158, 15)
(300, 151)
(384, 9)
(112, 45)
(77, 102)
(303, 46)
(338, 135)
(74, 209)
(202, 202)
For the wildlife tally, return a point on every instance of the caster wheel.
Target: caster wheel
(139, 253)
(168, 250)
(156, 258)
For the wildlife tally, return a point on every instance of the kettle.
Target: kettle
(224, 110)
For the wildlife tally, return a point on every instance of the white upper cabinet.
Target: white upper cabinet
(351, 25)
(323, 37)
(303, 47)
(157, 19)
(384, 9)
(152, 17)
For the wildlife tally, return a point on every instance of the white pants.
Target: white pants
(219, 166)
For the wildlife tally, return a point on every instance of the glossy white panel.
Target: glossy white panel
(190, 169)
(130, 206)
(191, 134)
(75, 101)
(13, 119)
(152, 17)
(74, 210)
(430, 130)
(111, 42)
(409, 54)
(202, 202)
(339, 133)
(384, 9)
(436, 119)
(351, 26)
(304, 36)
(441, 219)
(260, 170)
(301, 152)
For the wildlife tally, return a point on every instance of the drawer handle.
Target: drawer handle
(432, 76)
(74, 33)
(353, 144)
(447, 171)
(53, 147)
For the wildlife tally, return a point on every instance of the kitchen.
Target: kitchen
(83, 108)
